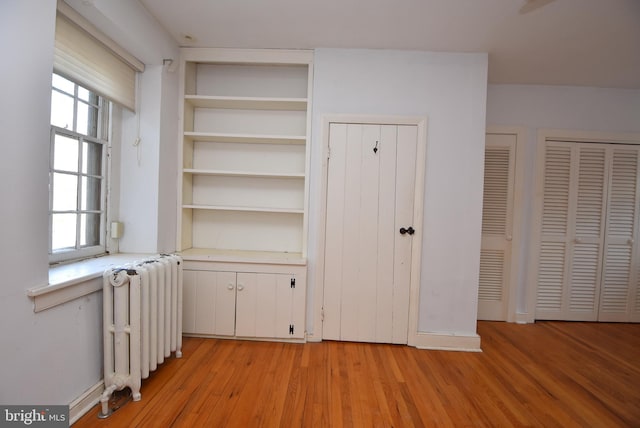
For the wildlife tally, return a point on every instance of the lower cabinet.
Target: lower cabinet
(244, 304)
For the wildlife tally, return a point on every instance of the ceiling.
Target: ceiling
(566, 42)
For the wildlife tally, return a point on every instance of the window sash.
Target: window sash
(78, 250)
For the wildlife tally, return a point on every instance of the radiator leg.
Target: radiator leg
(104, 401)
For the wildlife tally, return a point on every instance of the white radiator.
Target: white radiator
(142, 322)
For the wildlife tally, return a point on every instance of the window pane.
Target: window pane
(65, 192)
(83, 93)
(90, 194)
(62, 83)
(61, 110)
(89, 230)
(65, 154)
(63, 231)
(91, 158)
(87, 123)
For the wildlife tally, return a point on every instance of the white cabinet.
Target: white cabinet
(244, 304)
(244, 158)
(242, 215)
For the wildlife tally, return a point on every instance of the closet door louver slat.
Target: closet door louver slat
(491, 275)
(496, 191)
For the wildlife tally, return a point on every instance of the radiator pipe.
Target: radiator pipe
(104, 401)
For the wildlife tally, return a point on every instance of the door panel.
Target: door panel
(619, 282)
(209, 302)
(497, 225)
(370, 192)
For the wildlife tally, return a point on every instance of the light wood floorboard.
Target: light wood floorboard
(547, 374)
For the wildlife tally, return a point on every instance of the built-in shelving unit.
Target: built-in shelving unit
(244, 136)
(243, 191)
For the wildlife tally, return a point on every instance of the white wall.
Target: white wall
(556, 107)
(53, 356)
(148, 174)
(450, 90)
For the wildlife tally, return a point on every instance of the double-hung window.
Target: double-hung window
(78, 171)
(93, 78)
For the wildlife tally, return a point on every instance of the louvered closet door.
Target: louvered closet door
(587, 264)
(569, 264)
(497, 214)
(619, 297)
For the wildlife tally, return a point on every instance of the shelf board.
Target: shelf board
(246, 103)
(246, 174)
(242, 256)
(244, 138)
(244, 209)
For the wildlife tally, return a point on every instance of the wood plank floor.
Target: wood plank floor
(547, 374)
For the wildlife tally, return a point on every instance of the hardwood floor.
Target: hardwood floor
(548, 374)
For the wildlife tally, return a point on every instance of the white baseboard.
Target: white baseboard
(313, 338)
(85, 402)
(447, 342)
(523, 318)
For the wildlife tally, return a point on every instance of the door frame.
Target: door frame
(545, 135)
(418, 208)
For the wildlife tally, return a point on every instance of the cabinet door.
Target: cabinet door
(269, 305)
(209, 302)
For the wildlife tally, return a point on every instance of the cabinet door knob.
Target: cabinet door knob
(240, 287)
(230, 287)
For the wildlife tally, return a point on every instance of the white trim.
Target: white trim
(516, 224)
(85, 402)
(587, 136)
(448, 342)
(318, 298)
(544, 135)
(255, 56)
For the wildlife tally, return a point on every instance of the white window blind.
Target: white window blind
(84, 59)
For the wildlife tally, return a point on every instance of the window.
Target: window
(77, 172)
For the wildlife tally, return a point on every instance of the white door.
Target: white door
(369, 232)
(497, 225)
(619, 299)
(587, 260)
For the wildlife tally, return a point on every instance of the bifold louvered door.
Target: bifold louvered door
(587, 267)
(497, 224)
(619, 299)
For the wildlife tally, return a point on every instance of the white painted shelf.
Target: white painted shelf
(247, 103)
(243, 138)
(247, 174)
(245, 209)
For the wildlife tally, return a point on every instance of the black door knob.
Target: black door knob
(410, 230)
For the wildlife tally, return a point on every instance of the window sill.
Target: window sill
(73, 280)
